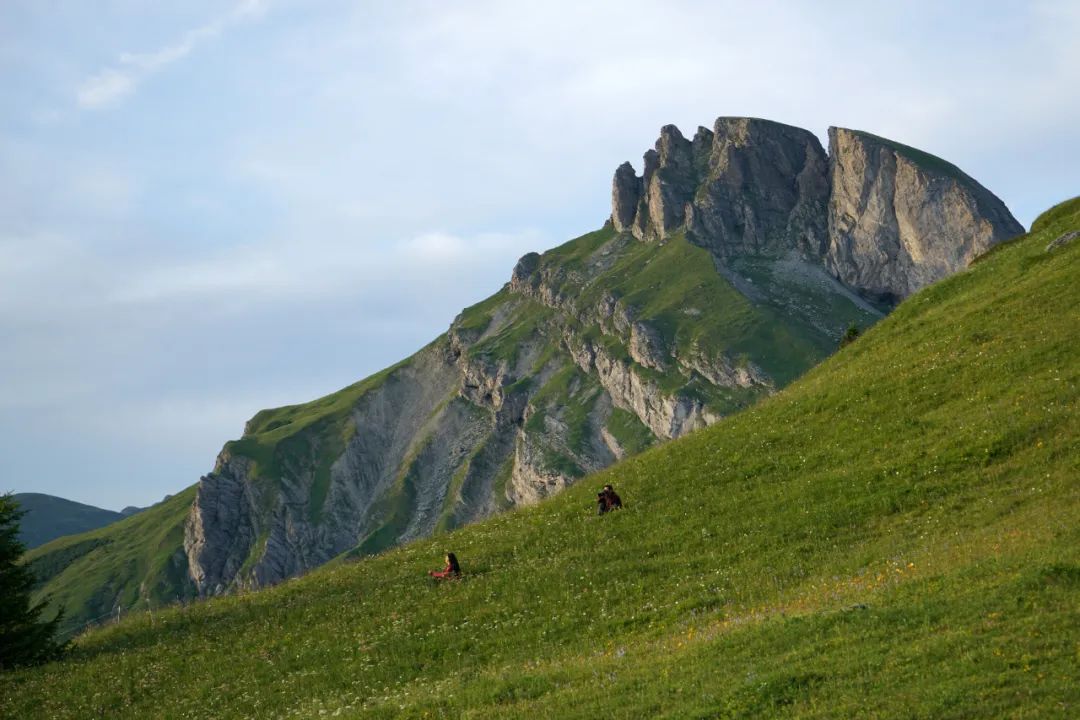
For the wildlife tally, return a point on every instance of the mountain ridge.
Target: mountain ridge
(715, 291)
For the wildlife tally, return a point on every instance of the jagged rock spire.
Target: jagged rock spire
(626, 191)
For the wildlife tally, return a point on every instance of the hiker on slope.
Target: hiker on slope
(607, 500)
(450, 572)
(613, 500)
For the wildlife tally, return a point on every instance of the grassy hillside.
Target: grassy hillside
(897, 534)
(137, 562)
(48, 517)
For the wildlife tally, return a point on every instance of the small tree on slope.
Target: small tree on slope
(25, 639)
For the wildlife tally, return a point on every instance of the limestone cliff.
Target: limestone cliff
(261, 516)
(900, 219)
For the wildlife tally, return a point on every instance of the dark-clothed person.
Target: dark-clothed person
(601, 503)
(614, 502)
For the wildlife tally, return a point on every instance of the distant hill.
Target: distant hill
(49, 517)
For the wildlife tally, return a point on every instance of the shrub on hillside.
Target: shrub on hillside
(850, 335)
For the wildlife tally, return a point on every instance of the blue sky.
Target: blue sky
(224, 206)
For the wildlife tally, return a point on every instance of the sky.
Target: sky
(209, 208)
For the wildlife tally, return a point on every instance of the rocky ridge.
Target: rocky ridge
(883, 218)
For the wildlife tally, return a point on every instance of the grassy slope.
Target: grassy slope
(895, 535)
(137, 559)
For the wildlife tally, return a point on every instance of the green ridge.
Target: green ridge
(137, 562)
(675, 288)
(896, 535)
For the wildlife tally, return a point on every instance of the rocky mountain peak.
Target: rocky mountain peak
(527, 265)
(882, 218)
(703, 137)
(671, 145)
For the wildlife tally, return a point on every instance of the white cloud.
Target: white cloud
(106, 87)
(114, 83)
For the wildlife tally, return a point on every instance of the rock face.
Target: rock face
(625, 195)
(1062, 240)
(670, 179)
(729, 267)
(747, 186)
(882, 218)
(900, 219)
(221, 528)
(248, 530)
(765, 191)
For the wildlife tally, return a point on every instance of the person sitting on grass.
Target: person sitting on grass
(614, 502)
(450, 572)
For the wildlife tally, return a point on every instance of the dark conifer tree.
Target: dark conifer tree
(25, 639)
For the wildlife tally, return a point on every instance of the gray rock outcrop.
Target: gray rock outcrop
(900, 219)
(882, 218)
(1062, 240)
(748, 185)
(247, 530)
(765, 192)
(625, 194)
